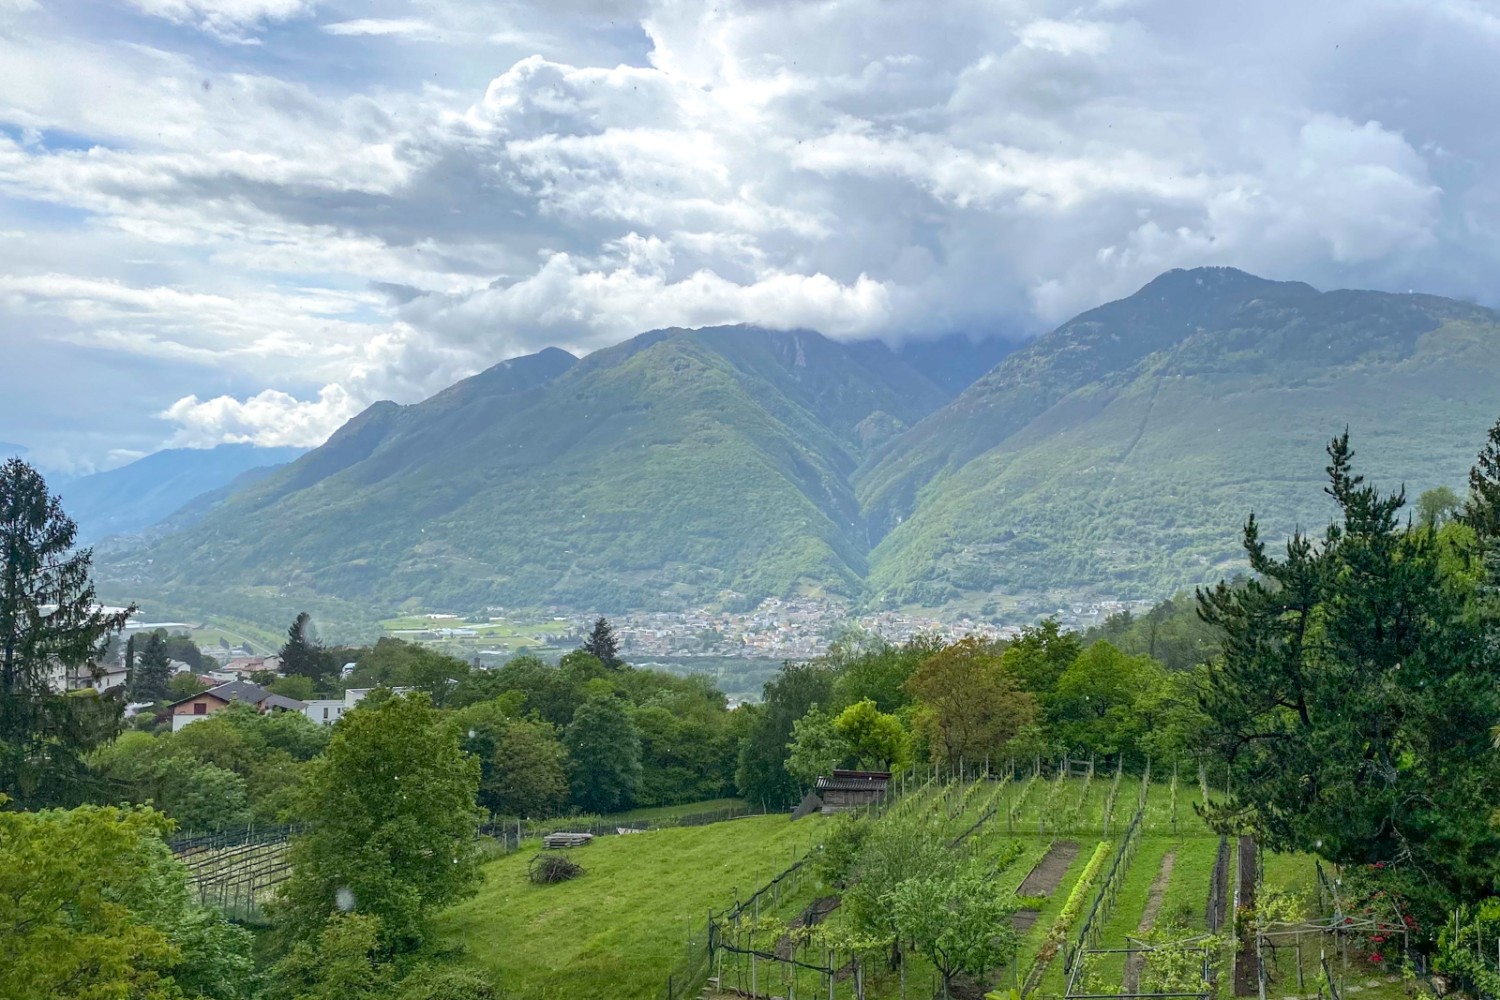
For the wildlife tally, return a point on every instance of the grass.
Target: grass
(620, 929)
(659, 813)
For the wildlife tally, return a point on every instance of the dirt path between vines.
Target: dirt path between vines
(1136, 963)
(1043, 880)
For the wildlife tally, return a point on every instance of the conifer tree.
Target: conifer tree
(153, 673)
(602, 646)
(303, 655)
(50, 619)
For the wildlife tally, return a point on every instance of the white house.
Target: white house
(327, 711)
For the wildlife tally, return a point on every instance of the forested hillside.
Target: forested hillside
(678, 465)
(1112, 457)
(1117, 452)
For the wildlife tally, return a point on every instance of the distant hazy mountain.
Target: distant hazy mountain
(8, 450)
(668, 468)
(138, 495)
(1122, 451)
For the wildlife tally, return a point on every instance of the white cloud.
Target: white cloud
(577, 172)
(269, 419)
(224, 19)
(408, 27)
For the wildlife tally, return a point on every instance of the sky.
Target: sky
(246, 220)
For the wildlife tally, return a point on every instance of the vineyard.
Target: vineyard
(1124, 891)
(237, 871)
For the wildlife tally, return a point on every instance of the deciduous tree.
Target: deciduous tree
(604, 756)
(971, 704)
(875, 738)
(816, 748)
(529, 776)
(392, 802)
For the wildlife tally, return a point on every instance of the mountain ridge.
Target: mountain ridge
(1116, 455)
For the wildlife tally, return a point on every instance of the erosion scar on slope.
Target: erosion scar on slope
(1043, 880)
(1136, 964)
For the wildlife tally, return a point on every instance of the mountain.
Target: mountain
(669, 468)
(1121, 452)
(956, 361)
(8, 450)
(138, 495)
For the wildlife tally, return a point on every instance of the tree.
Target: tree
(50, 618)
(960, 919)
(604, 756)
(92, 905)
(1437, 506)
(971, 705)
(816, 747)
(345, 960)
(295, 686)
(1355, 695)
(1095, 705)
(302, 655)
(529, 776)
(392, 803)
(185, 685)
(601, 644)
(875, 738)
(183, 649)
(761, 775)
(869, 667)
(129, 663)
(1040, 654)
(153, 673)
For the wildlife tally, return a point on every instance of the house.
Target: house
(853, 789)
(327, 711)
(243, 666)
(199, 706)
(100, 677)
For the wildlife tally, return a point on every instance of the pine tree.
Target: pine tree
(303, 655)
(130, 664)
(153, 673)
(602, 646)
(50, 618)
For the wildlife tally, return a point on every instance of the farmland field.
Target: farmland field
(639, 914)
(621, 928)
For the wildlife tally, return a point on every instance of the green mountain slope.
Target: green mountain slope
(668, 468)
(1120, 452)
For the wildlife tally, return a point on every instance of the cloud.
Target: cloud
(577, 172)
(406, 27)
(269, 419)
(224, 19)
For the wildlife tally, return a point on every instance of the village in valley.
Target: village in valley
(777, 628)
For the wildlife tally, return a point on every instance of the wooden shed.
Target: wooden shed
(853, 789)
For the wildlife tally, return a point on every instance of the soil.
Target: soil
(1043, 880)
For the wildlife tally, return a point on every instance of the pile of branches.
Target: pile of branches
(548, 868)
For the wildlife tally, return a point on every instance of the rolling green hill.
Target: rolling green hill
(1121, 452)
(672, 467)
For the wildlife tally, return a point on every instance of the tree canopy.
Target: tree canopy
(50, 620)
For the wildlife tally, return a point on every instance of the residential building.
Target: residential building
(200, 706)
(327, 711)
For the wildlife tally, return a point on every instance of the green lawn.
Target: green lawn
(657, 814)
(620, 929)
